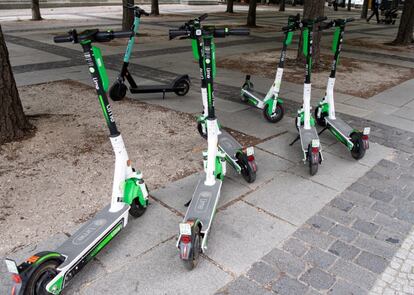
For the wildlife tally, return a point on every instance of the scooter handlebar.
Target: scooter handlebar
(239, 32)
(63, 39)
(202, 17)
(93, 35)
(173, 33)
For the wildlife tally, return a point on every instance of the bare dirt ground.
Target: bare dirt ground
(62, 175)
(354, 77)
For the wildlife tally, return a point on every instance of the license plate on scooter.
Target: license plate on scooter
(250, 151)
(185, 229)
(366, 131)
(11, 266)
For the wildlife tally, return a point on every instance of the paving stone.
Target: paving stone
(405, 214)
(389, 236)
(342, 287)
(337, 215)
(378, 195)
(343, 233)
(288, 286)
(375, 246)
(393, 223)
(365, 227)
(262, 273)
(314, 237)
(357, 198)
(318, 279)
(342, 204)
(242, 285)
(383, 208)
(285, 262)
(320, 223)
(295, 247)
(344, 250)
(318, 258)
(372, 262)
(353, 273)
(363, 213)
(360, 188)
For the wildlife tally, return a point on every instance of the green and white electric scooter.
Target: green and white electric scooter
(180, 85)
(241, 159)
(305, 123)
(272, 104)
(195, 227)
(356, 141)
(50, 271)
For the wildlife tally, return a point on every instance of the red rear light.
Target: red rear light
(185, 239)
(250, 158)
(364, 137)
(16, 278)
(315, 150)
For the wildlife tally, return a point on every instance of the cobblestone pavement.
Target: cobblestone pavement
(398, 277)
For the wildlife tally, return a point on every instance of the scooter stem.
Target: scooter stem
(330, 97)
(306, 105)
(122, 170)
(212, 143)
(205, 101)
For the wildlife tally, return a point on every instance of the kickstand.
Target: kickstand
(322, 130)
(188, 203)
(296, 139)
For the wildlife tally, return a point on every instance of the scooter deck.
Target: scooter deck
(252, 93)
(228, 144)
(203, 204)
(80, 242)
(339, 125)
(152, 89)
(306, 137)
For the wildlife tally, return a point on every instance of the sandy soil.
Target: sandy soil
(62, 175)
(354, 77)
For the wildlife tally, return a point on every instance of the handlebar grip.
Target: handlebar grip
(63, 39)
(176, 33)
(239, 32)
(203, 17)
(122, 34)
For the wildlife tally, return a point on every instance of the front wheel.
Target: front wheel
(320, 120)
(358, 150)
(182, 87)
(276, 116)
(41, 277)
(195, 250)
(248, 168)
(117, 91)
(137, 210)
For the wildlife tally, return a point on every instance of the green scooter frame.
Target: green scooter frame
(49, 272)
(356, 141)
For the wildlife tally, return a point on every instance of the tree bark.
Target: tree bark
(36, 10)
(282, 5)
(405, 30)
(155, 8)
(251, 15)
(312, 9)
(13, 122)
(229, 8)
(364, 12)
(127, 15)
(349, 5)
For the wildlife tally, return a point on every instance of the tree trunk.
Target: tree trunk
(36, 10)
(405, 30)
(13, 122)
(230, 6)
(282, 5)
(251, 16)
(349, 5)
(155, 8)
(127, 15)
(312, 9)
(364, 12)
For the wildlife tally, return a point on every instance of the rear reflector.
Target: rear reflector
(250, 158)
(315, 150)
(16, 278)
(364, 137)
(185, 239)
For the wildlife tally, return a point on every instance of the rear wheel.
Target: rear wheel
(276, 116)
(320, 120)
(117, 91)
(248, 168)
(182, 87)
(137, 210)
(358, 150)
(314, 161)
(41, 277)
(193, 259)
